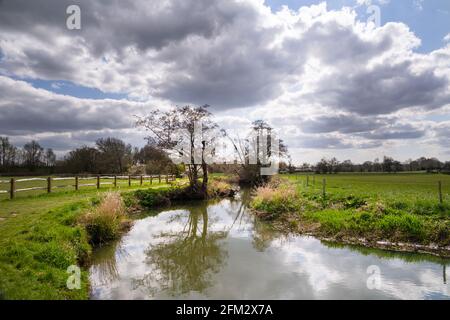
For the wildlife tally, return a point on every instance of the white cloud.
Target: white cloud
(324, 78)
(447, 38)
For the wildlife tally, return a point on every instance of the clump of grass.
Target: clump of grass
(150, 198)
(105, 221)
(427, 207)
(164, 196)
(220, 188)
(271, 201)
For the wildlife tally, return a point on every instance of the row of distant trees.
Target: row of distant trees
(109, 155)
(31, 155)
(387, 164)
(112, 155)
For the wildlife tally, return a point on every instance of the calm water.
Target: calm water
(219, 251)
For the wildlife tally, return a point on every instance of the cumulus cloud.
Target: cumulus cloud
(447, 38)
(442, 134)
(333, 80)
(226, 53)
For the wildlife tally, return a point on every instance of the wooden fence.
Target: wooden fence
(78, 182)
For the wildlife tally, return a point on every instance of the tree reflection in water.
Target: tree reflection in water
(185, 261)
(104, 264)
(262, 233)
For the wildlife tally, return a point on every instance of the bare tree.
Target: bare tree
(33, 153)
(8, 153)
(50, 158)
(252, 150)
(177, 130)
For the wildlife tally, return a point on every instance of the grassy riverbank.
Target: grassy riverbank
(360, 208)
(41, 236)
(140, 200)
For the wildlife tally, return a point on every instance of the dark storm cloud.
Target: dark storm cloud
(114, 24)
(243, 70)
(403, 132)
(331, 142)
(342, 123)
(26, 110)
(43, 62)
(319, 142)
(384, 89)
(237, 70)
(228, 81)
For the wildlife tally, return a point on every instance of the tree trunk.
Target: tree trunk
(205, 171)
(205, 177)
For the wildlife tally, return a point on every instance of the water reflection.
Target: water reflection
(105, 266)
(184, 261)
(219, 251)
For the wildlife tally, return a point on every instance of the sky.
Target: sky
(329, 76)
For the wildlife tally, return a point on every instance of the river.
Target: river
(218, 250)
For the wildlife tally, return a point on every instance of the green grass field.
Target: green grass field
(40, 237)
(407, 187)
(394, 207)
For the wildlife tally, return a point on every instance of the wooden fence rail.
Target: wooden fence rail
(50, 182)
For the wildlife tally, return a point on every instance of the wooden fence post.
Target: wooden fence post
(142, 180)
(151, 179)
(324, 182)
(167, 178)
(444, 274)
(129, 181)
(13, 188)
(98, 182)
(49, 184)
(76, 183)
(159, 177)
(441, 200)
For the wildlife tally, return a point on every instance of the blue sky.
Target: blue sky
(69, 88)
